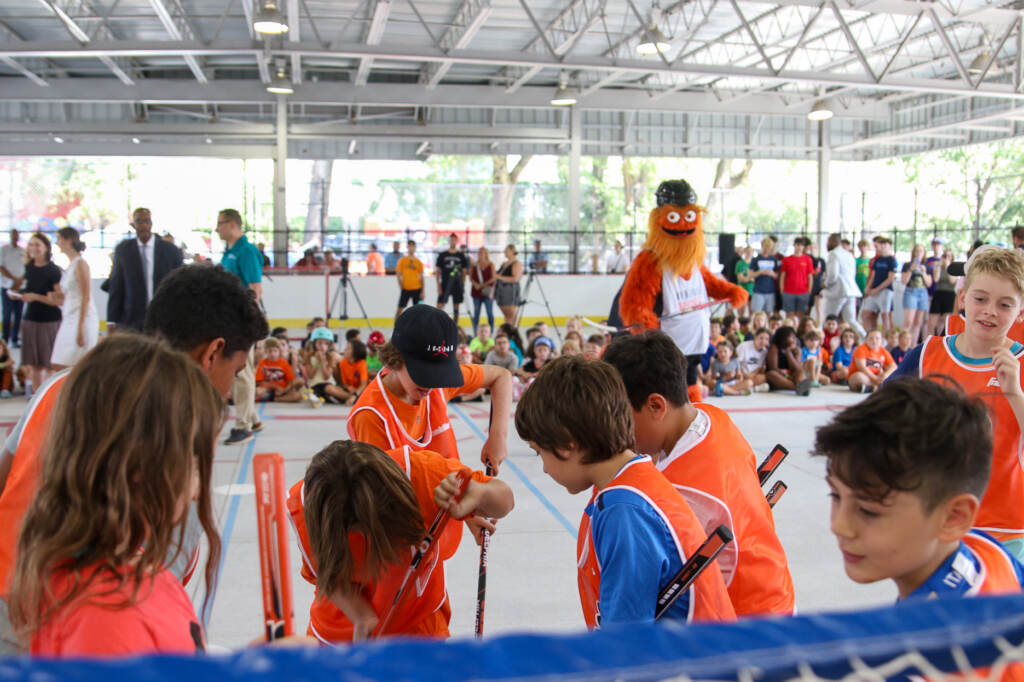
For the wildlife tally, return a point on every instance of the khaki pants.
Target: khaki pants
(243, 392)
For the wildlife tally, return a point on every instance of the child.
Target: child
(637, 530)
(543, 349)
(902, 347)
(571, 347)
(501, 354)
(381, 503)
(352, 370)
(482, 343)
(985, 362)
(871, 365)
(705, 456)
(759, 320)
(831, 333)
(275, 379)
(353, 335)
(863, 263)
(115, 486)
(784, 367)
(811, 354)
(774, 322)
(6, 371)
(891, 339)
(716, 332)
(751, 355)
(878, 294)
(907, 468)
(593, 347)
(724, 374)
(842, 358)
(291, 356)
(409, 271)
(746, 333)
(373, 365)
(321, 358)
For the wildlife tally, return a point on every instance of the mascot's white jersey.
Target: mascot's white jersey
(690, 331)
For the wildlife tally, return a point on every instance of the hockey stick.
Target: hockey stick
(776, 493)
(485, 545)
(771, 463)
(433, 532)
(268, 476)
(610, 328)
(692, 569)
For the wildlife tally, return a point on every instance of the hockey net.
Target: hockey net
(979, 638)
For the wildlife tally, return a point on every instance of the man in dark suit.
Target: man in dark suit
(140, 265)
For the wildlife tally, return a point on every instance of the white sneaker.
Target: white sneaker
(762, 388)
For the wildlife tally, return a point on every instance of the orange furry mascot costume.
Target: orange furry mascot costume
(669, 277)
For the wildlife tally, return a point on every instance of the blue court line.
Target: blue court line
(518, 472)
(229, 521)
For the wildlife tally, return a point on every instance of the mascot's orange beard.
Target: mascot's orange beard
(680, 253)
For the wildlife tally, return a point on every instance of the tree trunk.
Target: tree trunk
(319, 196)
(503, 183)
(724, 177)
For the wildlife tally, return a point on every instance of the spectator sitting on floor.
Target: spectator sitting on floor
(501, 354)
(842, 356)
(724, 376)
(593, 348)
(543, 349)
(482, 343)
(275, 378)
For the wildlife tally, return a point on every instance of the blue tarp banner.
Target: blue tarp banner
(771, 647)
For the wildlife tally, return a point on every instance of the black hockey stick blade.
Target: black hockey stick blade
(776, 493)
(692, 569)
(771, 463)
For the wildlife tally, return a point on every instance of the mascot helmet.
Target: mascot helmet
(675, 192)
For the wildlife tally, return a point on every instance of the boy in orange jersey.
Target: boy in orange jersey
(637, 531)
(708, 460)
(379, 505)
(275, 379)
(986, 363)
(907, 468)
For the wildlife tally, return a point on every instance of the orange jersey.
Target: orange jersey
(353, 374)
(424, 609)
(643, 485)
(23, 479)
(279, 372)
(1001, 513)
(714, 468)
(875, 361)
(957, 323)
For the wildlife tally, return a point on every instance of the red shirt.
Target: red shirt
(162, 621)
(798, 270)
(278, 372)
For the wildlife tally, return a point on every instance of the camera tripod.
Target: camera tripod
(341, 294)
(524, 299)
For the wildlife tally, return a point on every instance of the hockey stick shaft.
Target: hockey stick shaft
(278, 616)
(485, 544)
(771, 463)
(776, 493)
(691, 570)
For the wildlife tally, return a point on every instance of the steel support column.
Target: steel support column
(824, 161)
(575, 151)
(280, 159)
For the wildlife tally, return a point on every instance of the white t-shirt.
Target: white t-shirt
(617, 262)
(12, 258)
(751, 359)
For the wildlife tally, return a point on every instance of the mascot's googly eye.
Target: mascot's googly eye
(689, 216)
(673, 216)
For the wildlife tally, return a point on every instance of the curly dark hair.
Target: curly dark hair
(924, 436)
(198, 303)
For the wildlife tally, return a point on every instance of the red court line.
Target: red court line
(794, 408)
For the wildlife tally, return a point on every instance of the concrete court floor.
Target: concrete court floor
(532, 571)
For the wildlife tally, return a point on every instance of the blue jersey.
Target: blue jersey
(980, 565)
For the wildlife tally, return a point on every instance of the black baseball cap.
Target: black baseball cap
(427, 338)
(957, 268)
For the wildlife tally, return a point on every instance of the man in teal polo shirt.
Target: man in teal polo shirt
(243, 260)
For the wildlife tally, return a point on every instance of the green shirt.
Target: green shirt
(742, 268)
(863, 269)
(479, 347)
(244, 261)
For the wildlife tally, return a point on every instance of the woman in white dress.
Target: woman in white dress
(80, 326)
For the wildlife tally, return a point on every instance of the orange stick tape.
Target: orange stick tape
(275, 573)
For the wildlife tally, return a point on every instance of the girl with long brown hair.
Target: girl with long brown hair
(359, 512)
(131, 443)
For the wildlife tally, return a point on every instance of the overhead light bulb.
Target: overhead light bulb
(280, 85)
(58, 139)
(820, 111)
(269, 20)
(564, 95)
(654, 42)
(136, 140)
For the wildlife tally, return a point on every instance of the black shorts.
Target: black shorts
(412, 296)
(693, 369)
(451, 288)
(943, 302)
(320, 391)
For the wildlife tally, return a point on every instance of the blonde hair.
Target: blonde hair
(995, 260)
(133, 423)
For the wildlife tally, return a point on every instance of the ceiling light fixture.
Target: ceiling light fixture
(564, 95)
(280, 85)
(654, 41)
(820, 111)
(269, 20)
(979, 63)
(58, 139)
(136, 140)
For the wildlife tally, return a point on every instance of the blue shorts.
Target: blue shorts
(915, 299)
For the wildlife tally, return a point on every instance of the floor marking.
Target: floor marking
(235, 489)
(310, 417)
(519, 472)
(794, 408)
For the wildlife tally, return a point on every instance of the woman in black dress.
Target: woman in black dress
(42, 314)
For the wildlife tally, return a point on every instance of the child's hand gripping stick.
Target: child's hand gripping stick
(433, 532)
(692, 569)
(268, 476)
